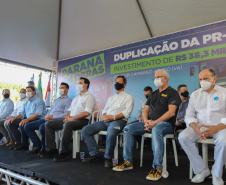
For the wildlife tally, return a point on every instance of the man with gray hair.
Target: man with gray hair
(159, 116)
(6, 109)
(4, 127)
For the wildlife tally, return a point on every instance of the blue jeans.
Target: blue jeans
(30, 130)
(113, 129)
(158, 132)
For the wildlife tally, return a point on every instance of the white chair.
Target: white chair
(205, 144)
(76, 134)
(168, 136)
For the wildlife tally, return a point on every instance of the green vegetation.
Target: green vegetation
(14, 90)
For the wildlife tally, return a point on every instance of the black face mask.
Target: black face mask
(185, 94)
(118, 86)
(6, 96)
(146, 96)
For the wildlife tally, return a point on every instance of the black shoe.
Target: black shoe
(61, 157)
(14, 146)
(42, 151)
(21, 147)
(49, 154)
(108, 163)
(91, 159)
(35, 150)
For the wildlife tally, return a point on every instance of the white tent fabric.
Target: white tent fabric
(29, 28)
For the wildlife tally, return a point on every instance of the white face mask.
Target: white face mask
(29, 94)
(205, 85)
(22, 95)
(80, 87)
(61, 92)
(158, 83)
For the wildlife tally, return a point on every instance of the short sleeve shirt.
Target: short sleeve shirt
(159, 103)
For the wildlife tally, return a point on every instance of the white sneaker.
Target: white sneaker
(198, 178)
(216, 180)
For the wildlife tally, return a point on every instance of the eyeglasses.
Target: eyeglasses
(157, 77)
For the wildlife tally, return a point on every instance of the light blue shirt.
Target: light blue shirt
(32, 106)
(141, 107)
(6, 108)
(60, 107)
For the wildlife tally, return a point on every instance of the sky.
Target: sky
(15, 74)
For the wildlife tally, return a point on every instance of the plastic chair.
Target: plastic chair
(168, 136)
(205, 144)
(76, 134)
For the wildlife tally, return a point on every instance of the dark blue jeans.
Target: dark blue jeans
(30, 130)
(113, 129)
(158, 132)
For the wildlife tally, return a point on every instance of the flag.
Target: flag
(40, 83)
(48, 93)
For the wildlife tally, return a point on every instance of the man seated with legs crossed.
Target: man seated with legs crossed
(34, 109)
(115, 114)
(56, 113)
(19, 107)
(206, 116)
(77, 117)
(159, 116)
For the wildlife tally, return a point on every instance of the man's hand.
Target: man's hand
(10, 120)
(68, 118)
(23, 122)
(178, 123)
(182, 120)
(149, 124)
(108, 118)
(209, 131)
(140, 118)
(48, 117)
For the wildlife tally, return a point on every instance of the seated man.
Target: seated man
(34, 109)
(159, 118)
(115, 114)
(147, 91)
(78, 116)
(184, 96)
(206, 116)
(19, 107)
(37, 91)
(6, 109)
(56, 113)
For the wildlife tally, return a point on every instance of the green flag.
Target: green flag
(40, 84)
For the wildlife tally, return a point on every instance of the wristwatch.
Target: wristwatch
(114, 118)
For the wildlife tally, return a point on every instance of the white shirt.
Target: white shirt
(207, 108)
(19, 107)
(119, 103)
(82, 103)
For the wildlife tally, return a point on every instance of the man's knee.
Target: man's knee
(129, 129)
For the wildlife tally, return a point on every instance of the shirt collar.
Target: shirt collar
(86, 93)
(121, 93)
(63, 97)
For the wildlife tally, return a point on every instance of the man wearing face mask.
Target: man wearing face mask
(184, 96)
(77, 117)
(159, 116)
(115, 115)
(4, 127)
(206, 116)
(33, 109)
(6, 109)
(55, 115)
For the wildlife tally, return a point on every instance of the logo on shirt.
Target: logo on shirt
(164, 95)
(216, 98)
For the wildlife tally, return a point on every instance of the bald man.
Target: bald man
(206, 116)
